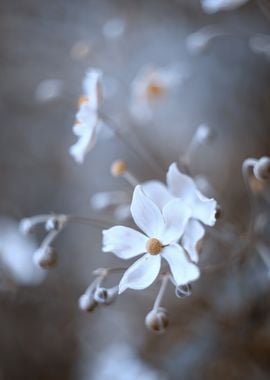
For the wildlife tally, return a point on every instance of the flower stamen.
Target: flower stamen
(154, 246)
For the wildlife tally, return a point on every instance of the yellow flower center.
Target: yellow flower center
(154, 90)
(154, 246)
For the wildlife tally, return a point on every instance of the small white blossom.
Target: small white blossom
(88, 122)
(150, 85)
(162, 229)
(213, 6)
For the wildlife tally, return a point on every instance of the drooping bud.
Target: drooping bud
(262, 169)
(157, 320)
(118, 168)
(26, 226)
(87, 302)
(105, 296)
(183, 291)
(45, 257)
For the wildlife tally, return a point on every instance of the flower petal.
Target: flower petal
(141, 274)
(146, 214)
(84, 144)
(184, 187)
(176, 214)
(158, 192)
(124, 242)
(194, 232)
(182, 269)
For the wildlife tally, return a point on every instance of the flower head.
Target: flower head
(87, 118)
(162, 229)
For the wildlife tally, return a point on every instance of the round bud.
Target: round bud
(26, 226)
(118, 168)
(262, 169)
(183, 291)
(157, 320)
(218, 213)
(105, 296)
(45, 257)
(87, 303)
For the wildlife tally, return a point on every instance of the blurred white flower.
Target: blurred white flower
(198, 41)
(150, 85)
(119, 201)
(16, 255)
(162, 229)
(88, 122)
(260, 43)
(120, 361)
(48, 89)
(114, 28)
(213, 6)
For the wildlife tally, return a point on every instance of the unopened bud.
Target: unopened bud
(45, 257)
(105, 296)
(183, 291)
(157, 320)
(87, 303)
(262, 169)
(218, 213)
(118, 168)
(26, 226)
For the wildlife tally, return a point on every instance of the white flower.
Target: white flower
(212, 6)
(182, 186)
(88, 122)
(150, 85)
(161, 231)
(16, 251)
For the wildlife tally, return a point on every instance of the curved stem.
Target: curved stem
(161, 291)
(247, 165)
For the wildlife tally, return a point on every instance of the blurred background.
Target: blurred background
(223, 330)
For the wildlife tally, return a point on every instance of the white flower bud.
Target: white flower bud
(157, 320)
(45, 257)
(87, 303)
(262, 169)
(105, 296)
(26, 226)
(183, 291)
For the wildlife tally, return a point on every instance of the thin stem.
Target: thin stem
(161, 291)
(247, 165)
(88, 221)
(131, 179)
(51, 236)
(140, 153)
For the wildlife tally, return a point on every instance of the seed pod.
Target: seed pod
(45, 257)
(262, 169)
(87, 303)
(157, 320)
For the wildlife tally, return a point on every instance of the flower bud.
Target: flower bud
(87, 303)
(262, 169)
(105, 296)
(183, 291)
(118, 168)
(26, 226)
(157, 320)
(45, 257)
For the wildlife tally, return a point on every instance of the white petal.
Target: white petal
(194, 232)
(84, 144)
(141, 274)
(92, 86)
(124, 242)
(176, 214)
(158, 192)
(182, 269)
(184, 187)
(146, 214)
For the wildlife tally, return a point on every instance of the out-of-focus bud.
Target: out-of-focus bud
(118, 168)
(157, 320)
(26, 226)
(262, 169)
(87, 302)
(45, 257)
(105, 296)
(218, 214)
(183, 291)
(56, 223)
